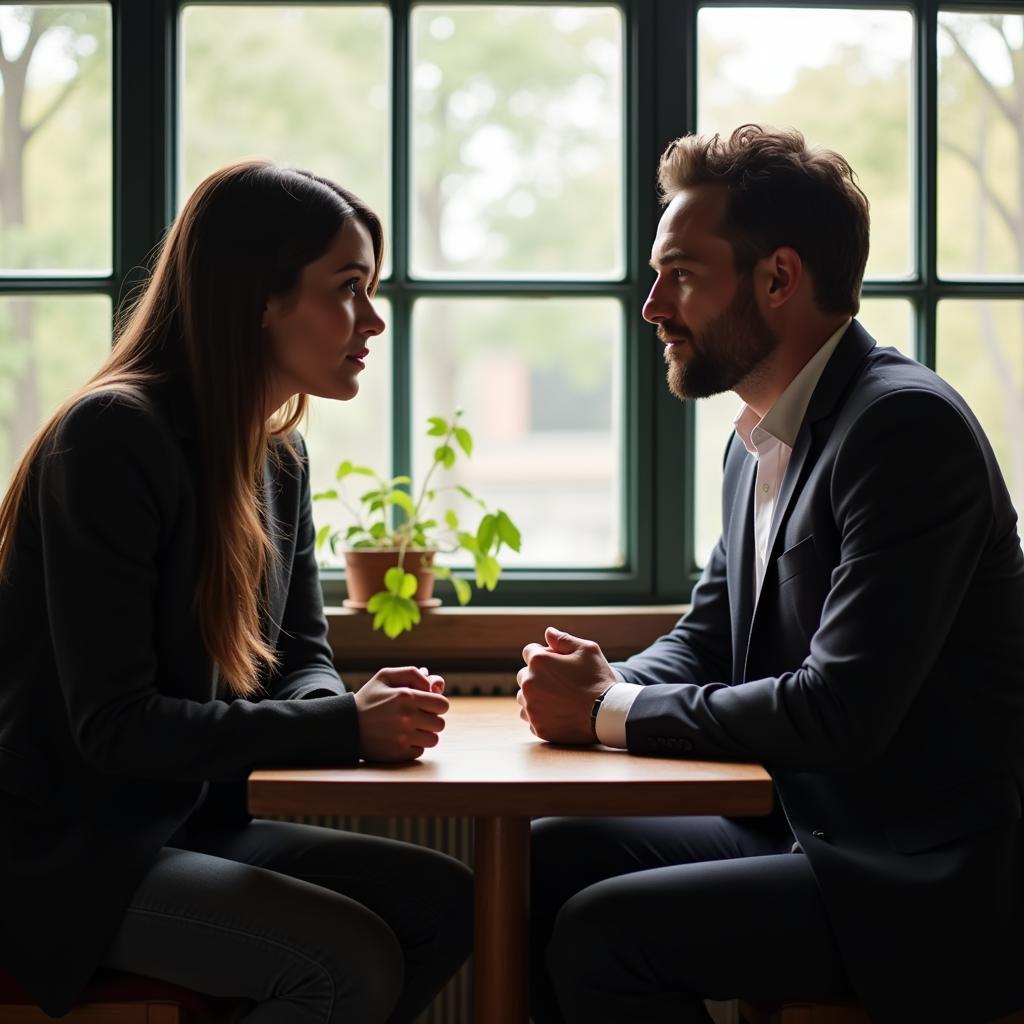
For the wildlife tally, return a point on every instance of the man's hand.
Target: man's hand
(400, 713)
(559, 685)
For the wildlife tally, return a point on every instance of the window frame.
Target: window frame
(660, 51)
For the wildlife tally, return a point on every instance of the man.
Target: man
(858, 629)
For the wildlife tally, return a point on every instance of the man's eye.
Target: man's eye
(681, 272)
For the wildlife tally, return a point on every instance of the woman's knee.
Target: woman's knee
(444, 887)
(367, 971)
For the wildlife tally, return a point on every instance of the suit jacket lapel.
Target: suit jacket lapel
(848, 356)
(740, 557)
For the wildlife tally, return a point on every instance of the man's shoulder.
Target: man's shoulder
(892, 384)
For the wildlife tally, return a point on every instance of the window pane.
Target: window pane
(48, 347)
(713, 417)
(517, 141)
(358, 430)
(303, 86)
(55, 166)
(842, 77)
(888, 321)
(981, 132)
(981, 353)
(540, 383)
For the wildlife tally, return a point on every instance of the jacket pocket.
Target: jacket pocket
(971, 808)
(794, 560)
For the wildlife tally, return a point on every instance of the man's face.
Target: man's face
(707, 316)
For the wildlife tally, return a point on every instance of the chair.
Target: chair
(802, 1011)
(115, 997)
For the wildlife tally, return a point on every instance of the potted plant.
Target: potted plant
(390, 547)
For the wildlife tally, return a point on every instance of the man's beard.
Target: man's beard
(728, 350)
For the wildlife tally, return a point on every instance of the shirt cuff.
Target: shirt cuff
(611, 715)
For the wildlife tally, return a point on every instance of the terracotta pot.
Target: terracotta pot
(365, 569)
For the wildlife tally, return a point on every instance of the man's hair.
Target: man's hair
(781, 192)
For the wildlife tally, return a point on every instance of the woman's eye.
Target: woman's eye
(352, 284)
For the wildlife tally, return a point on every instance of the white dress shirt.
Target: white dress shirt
(770, 440)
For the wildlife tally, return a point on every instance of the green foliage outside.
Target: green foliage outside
(309, 86)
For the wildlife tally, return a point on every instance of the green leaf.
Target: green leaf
(469, 542)
(445, 454)
(463, 591)
(442, 572)
(322, 534)
(508, 531)
(363, 544)
(465, 439)
(396, 480)
(325, 495)
(487, 571)
(438, 427)
(347, 468)
(403, 501)
(395, 615)
(378, 531)
(378, 599)
(426, 524)
(465, 492)
(393, 579)
(451, 519)
(486, 531)
(352, 531)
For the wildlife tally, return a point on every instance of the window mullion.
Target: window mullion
(399, 292)
(145, 44)
(926, 176)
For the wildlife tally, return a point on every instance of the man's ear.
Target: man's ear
(780, 276)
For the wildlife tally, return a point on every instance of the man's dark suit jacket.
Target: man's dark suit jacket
(880, 678)
(110, 733)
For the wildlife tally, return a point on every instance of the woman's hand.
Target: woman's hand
(400, 714)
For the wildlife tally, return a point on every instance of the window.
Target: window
(56, 210)
(511, 150)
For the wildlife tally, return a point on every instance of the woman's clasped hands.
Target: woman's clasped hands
(401, 713)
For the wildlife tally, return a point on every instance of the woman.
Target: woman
(162, 633)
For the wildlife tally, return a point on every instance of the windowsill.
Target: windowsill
(492, 637)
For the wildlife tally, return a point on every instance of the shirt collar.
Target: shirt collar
(782, 421)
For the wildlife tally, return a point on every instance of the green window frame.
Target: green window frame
(660, 83)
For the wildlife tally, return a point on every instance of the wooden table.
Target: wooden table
(490, 767)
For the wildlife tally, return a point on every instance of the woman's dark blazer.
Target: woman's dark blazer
(111, 729)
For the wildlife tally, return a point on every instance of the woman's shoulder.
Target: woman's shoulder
(112, 416)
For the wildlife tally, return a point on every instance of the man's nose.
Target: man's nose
(656, 310)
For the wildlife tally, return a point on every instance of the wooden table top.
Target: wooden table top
(488, 763)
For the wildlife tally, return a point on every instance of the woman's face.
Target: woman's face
(318, 335)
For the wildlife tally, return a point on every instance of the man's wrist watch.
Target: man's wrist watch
(594, 710)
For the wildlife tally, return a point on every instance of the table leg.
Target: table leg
(501, 867)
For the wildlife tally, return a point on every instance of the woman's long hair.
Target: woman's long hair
(243, 236)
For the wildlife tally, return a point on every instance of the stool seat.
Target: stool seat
(110, 988)
(823, 1011)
